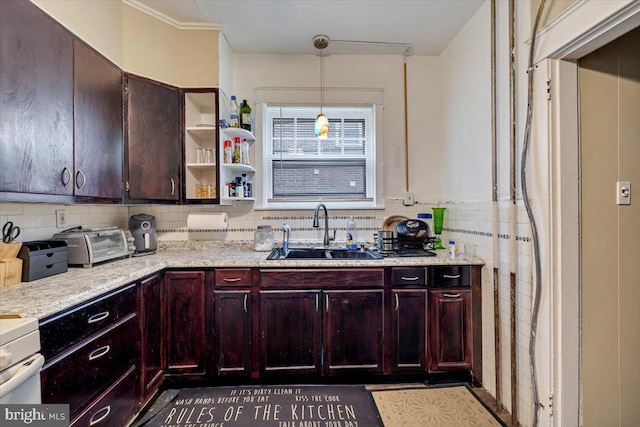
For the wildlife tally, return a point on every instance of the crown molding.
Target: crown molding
(169, 20)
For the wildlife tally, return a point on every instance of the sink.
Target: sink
(322, 253)
(299, 253)
(348, 254)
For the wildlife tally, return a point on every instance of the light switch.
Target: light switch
(623, 192)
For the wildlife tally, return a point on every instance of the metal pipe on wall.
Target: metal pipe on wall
(512, 218)
(494, 186)
(406, 124)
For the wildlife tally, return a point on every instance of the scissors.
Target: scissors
(9, 232)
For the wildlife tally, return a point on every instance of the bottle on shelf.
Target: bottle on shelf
(245, 115)
(244, 185)
(244, 151)
(228, 151)
(233, 116)
(352, 233)
(237, 153)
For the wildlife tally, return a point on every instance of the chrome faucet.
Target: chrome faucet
(326, 239)
(286, 230)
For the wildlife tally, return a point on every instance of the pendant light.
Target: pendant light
(321, 124)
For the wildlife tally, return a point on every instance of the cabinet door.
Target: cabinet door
(151, 336)
(449, 329)
(97, 124)
(185, 334)
(233, 332)
(353, 331)
(290, 332)
(154, 153)
(409, 329)
(36, 99)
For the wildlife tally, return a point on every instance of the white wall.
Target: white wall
(466, 148)
(363, 78)
(97, 22)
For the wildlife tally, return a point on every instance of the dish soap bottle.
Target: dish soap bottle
(352, 234)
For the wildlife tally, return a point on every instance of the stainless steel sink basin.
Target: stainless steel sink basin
(322, 253)
(347, 254)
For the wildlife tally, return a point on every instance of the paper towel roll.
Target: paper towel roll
(207, 221)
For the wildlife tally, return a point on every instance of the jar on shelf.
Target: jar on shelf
(263, 238)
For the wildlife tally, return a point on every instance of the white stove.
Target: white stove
(20, 362)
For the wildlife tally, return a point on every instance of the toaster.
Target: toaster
(87, 247)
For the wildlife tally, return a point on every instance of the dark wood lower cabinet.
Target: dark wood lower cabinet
(353, 331)
(152, 345)
(80, 374)
(450, 333)
(197, 325)
(408, 333)
(233, 332)
(115, 407)
(290, 332)
(185, 332)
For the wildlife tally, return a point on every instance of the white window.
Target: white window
(301, 169)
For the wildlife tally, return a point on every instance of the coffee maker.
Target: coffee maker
(143, 231)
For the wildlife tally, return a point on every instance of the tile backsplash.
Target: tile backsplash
(37, 221)
(467, 223)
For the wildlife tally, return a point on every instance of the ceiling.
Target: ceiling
(288, 26)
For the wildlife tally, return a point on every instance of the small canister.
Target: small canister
(263, 238)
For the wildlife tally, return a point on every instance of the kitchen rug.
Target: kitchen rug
(264, 406)
(434, 407)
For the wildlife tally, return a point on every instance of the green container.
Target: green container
(438, 216)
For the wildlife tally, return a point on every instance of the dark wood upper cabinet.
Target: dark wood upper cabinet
(98, 124)
(36, 95)
(154, 147)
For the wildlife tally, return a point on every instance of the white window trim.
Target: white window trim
(261, 193)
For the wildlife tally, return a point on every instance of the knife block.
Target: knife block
(10, 250)
(10, 266)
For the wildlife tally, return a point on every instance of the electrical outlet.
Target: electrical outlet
(61, 218)
(623, 193)
(407, 199)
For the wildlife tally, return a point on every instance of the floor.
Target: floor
(484, 395)
(488, 399)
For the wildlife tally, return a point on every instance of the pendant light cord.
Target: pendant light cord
(321, 79)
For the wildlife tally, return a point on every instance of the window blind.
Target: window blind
(301, 167)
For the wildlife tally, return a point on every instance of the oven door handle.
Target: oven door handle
(20, 373)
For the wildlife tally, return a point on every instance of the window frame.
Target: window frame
(372, 159)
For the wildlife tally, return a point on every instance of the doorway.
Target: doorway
(609, 99)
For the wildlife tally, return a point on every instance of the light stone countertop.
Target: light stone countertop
(45, 297)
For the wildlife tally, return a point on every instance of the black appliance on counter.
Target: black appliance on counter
(143, 231)
(412, 239)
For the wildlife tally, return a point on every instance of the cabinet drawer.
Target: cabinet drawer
(328, 279)
(114, 407)
(408, 276)
(233, 277)
(81, 374)
(451, 276)
(61, 332)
